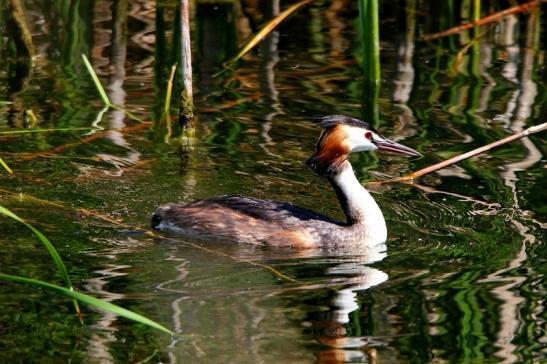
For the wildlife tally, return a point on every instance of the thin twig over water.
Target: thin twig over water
(461, 157)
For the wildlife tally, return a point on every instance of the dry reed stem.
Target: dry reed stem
(483, 21)
(265, 31)
(168, 105)
(459, 56)
(186, 54)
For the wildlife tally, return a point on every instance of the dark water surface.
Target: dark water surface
(463, 276)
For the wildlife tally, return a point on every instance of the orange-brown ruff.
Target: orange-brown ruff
(267, 222)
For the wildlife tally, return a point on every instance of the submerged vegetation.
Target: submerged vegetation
(103, 117)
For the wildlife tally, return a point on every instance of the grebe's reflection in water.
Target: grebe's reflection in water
(229, 281)
(330, 327)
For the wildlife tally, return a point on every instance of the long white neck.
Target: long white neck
(361, 210)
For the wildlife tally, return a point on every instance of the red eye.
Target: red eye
(368, 135)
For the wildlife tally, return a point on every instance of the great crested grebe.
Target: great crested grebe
(267, 222)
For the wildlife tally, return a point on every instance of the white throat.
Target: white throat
(360, 208)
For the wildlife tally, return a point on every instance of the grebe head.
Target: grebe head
(343, 135)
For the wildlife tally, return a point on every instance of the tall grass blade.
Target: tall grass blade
(6, 167)
(96, 80)
(51, 249)
(82, 297)
(369, 18)
(102, 92)
(267, 29)
(27, 131)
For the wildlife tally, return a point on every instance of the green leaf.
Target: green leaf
(102, 92)
(96, 80)
(87, 299)
(26, 131)
(6, 167)
(51, 249)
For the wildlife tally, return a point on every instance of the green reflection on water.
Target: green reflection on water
(465, 260)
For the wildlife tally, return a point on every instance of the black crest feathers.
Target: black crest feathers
(331, 152)
(327, 122)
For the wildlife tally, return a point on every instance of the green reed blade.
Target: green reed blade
(102, 92)
(51, 249)
(96, 80)
(369, 18)
(26, 131)
(6, 167)
(370, 41)
(87, 299)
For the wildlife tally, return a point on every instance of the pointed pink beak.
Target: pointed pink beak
(387, 145)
